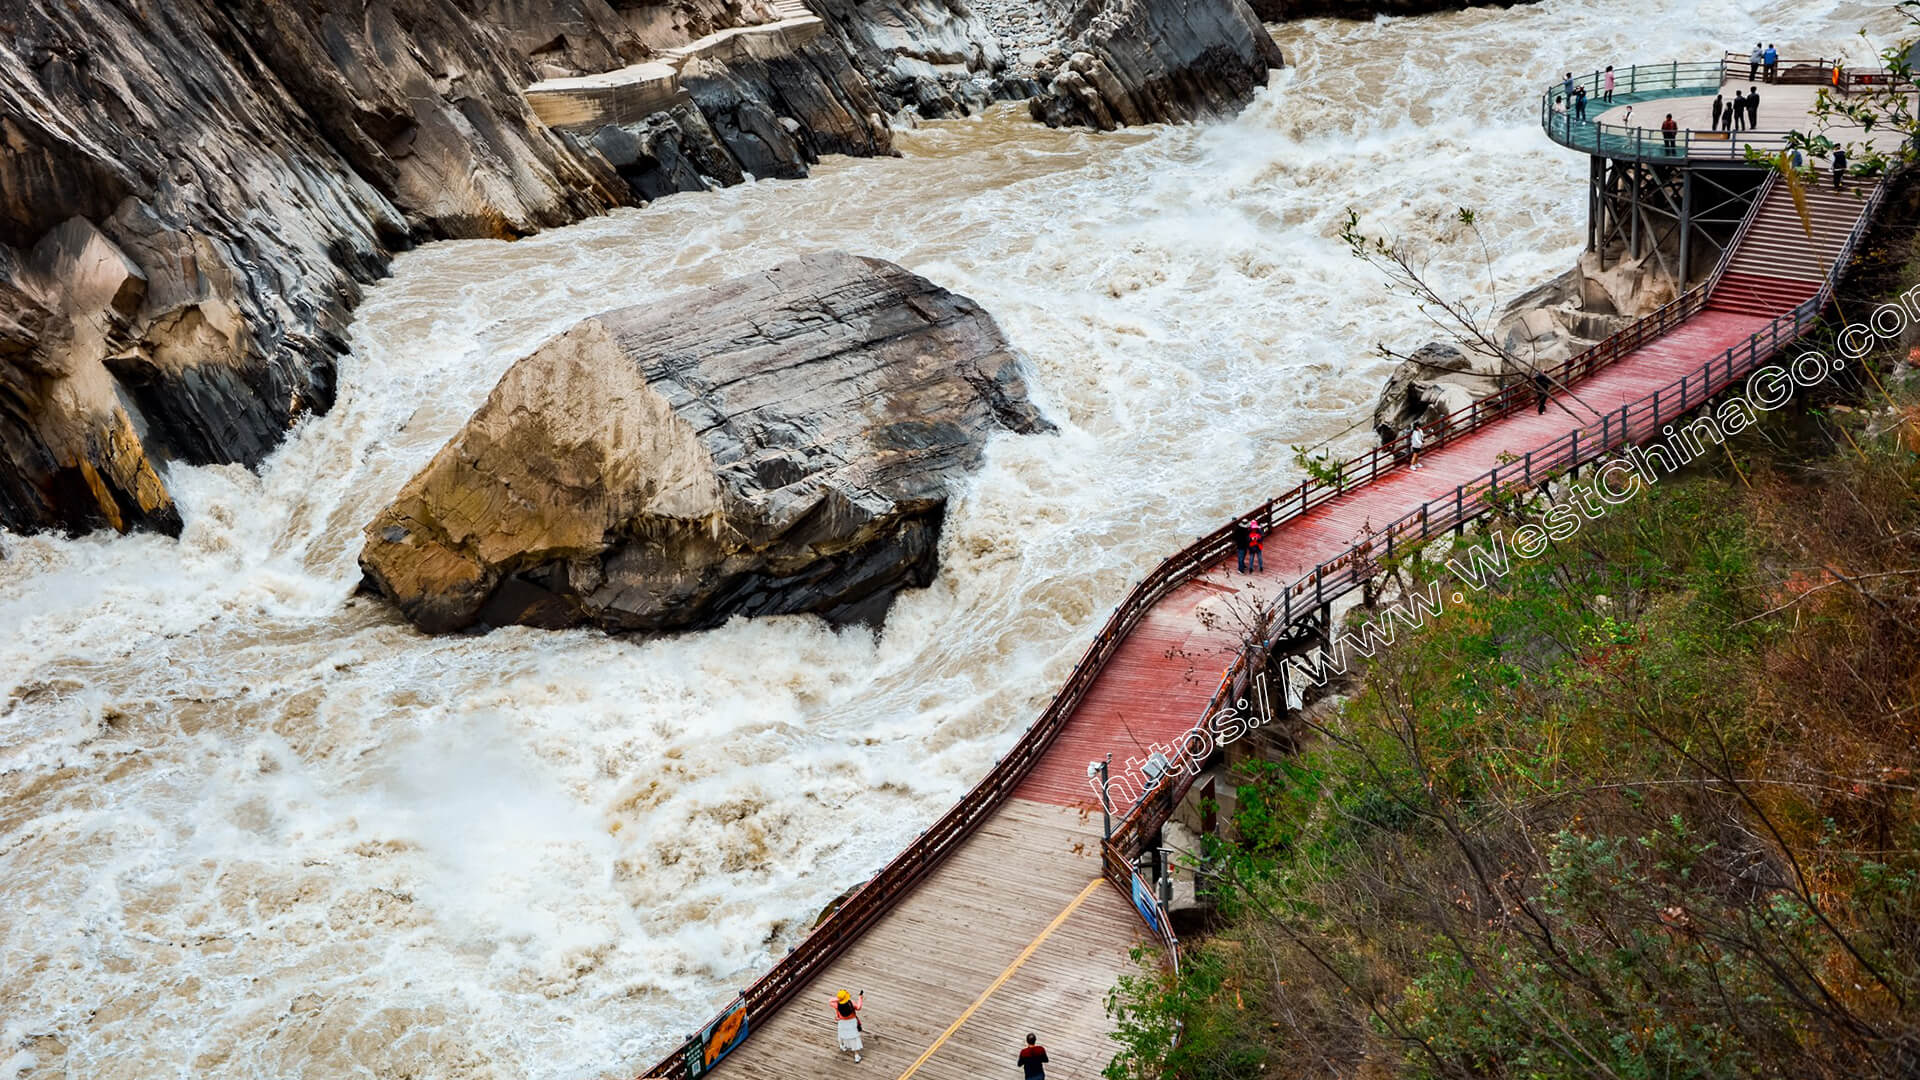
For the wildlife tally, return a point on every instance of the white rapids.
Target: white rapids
(252, 825)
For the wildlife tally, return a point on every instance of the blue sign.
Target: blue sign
(1144, 903)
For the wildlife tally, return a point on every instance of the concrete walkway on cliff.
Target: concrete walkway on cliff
(630, 94)
(1015, 930)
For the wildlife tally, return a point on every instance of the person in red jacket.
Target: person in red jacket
(1033, 1058)
(1254, 535)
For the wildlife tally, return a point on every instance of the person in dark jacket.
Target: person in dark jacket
(1542, 386)
(1242, 535)
(1753, 107)
(1719, 103)
(1033, 1059)
(1839, 167)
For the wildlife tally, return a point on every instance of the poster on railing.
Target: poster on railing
(1144, 903)
(721, 1036)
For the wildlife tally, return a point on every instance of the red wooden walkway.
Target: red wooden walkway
(1012, 931)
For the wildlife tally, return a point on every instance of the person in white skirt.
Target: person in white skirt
(846, 1017)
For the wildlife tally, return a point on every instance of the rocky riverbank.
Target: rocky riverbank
(194, 194)
(1541, 327)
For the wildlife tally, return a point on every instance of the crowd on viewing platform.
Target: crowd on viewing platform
(1709, 110)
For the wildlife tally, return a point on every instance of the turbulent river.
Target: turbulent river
(253, 825)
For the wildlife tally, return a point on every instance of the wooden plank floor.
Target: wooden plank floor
(932, 957)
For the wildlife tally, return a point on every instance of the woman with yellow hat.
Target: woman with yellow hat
(846, 1016)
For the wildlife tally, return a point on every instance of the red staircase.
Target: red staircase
(1775, 265)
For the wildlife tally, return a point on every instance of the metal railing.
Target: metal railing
(1651, 82)
(900, 876)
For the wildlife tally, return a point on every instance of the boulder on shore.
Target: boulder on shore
(779, 443)
(1544, 326)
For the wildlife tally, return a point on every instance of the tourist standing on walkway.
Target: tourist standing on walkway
(1541, 386)
(1839, 167)
(846, 1019)
(1606, 85)
(1753, 61)
(1772, 60)
(1242, 534)
(1753, 108)
(1416, 442)
(1566, 87)
(1254, 536)
(1719, 106)
(1668, 129)
(1579, 103)
(1033, 1059)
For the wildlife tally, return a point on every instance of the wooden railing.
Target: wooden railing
(894, 881)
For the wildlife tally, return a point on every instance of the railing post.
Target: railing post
(1459, 508)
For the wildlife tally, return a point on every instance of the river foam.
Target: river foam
(253, 825)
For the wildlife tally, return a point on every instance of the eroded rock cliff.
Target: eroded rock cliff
(1151, 61)
(784, 442)
(193, 193)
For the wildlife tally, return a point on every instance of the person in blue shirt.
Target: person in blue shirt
(1772, 59)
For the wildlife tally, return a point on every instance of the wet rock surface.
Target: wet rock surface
(1540, 328)
(1125, 62)
(783, 442)
(194, 194)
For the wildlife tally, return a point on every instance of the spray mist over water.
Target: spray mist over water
(253, 825)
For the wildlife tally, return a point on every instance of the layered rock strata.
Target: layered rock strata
(193, 193)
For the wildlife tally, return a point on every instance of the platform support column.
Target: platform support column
(1633, 239)
(1686, 223)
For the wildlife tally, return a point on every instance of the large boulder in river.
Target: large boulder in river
(783, 442)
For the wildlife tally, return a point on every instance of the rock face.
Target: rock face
(1542, 327)
(784, 442)
(1151, 61)
(1282, 10)
(193, 193)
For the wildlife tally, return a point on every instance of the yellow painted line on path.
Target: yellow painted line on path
(1025, 954)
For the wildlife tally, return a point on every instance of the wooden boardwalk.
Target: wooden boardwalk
(1016, 931)
(937, 953)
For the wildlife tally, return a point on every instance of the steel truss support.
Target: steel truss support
(1683, 214)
